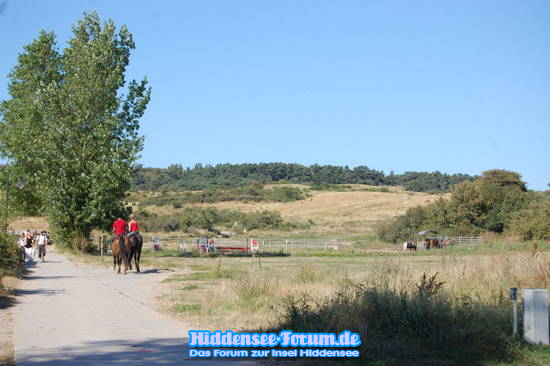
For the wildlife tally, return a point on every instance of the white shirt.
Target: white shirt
(42, 240)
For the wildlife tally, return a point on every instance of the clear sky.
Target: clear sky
(455, 86)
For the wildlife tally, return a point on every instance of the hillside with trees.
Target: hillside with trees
(200, 177)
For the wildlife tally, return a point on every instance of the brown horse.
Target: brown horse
(133, 244)
(119, 252)
(434, 243)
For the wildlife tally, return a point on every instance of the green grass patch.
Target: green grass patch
(186, 308)
(189, 287)
(204, 275)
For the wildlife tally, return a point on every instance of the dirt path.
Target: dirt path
(69, 314)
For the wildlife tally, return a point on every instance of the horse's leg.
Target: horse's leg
(137, 258)
(114, 262)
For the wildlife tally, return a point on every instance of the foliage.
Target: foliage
(213, 219)
(151, 222)
(319, 176)
(252, 193)
(10, 254)
(486, 204)
(69, 131)
(418, 324)
(403, 227)
(533, 222)
(207, 218)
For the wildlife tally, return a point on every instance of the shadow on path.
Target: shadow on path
(46, 277)
(159, 351)
(7, 302)
(40, 291)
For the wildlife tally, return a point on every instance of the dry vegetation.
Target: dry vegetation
(351, 211)
(324, 293)
(240, 294)
(32, 223)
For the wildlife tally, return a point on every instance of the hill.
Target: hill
(230, 175)
(345, 210)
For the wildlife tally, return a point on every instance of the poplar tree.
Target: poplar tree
(71, 127)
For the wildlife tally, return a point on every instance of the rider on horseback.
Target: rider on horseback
(119, 228)
(133, 226)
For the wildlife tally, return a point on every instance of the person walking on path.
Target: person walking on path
(42, 241)
(21, 243)
(29, 249)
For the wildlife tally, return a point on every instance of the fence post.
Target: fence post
(101, 247)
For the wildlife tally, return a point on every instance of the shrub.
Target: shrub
(10, 256)
(261, 220)
(533, 222)
(152, 222)
(418, 324)
(253, 193)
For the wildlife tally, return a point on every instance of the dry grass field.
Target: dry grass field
(245, 293)
(353, 211)
(31, 223)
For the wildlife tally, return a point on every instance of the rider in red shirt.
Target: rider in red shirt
(119, 226)
(134, 227)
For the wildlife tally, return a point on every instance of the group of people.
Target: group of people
(121, 227)
(29, 241)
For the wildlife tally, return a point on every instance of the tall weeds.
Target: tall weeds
(454, 316)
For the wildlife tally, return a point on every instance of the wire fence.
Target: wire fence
(204, 244)
(444, 241)
(199, 245)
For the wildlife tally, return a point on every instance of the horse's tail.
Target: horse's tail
(123, 254)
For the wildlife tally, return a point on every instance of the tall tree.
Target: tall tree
(70, 131)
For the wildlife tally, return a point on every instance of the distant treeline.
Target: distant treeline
(200, 177)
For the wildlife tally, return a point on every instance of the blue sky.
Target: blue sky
(455, 86)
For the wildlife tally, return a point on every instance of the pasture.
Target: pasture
(451, 297)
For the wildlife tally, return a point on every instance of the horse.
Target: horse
(133, 243)
(119, 253)
(434, 243)
(409, 245)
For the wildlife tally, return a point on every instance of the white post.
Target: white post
(535, 315)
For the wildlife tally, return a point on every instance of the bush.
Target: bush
(533, 222)
(261, 220)
(402, 227)
(152, 222)
(415, 325)
(10, 256)
(487, 204)
(252, 193)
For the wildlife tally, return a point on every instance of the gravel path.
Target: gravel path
(70, 314)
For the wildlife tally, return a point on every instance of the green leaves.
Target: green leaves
(69, 130)
(489, 203)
